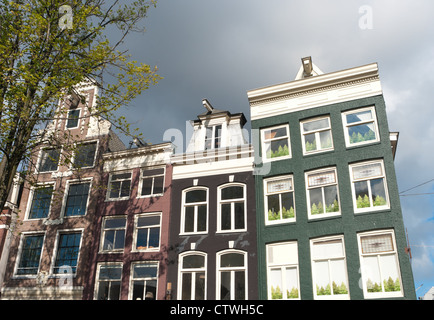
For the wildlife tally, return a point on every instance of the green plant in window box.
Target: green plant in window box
(276, 293)
(286, 214)
(280, 152)
(293, 294)
(358, 137)
(310, 146)
(342, 289)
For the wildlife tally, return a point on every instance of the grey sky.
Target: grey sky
(220, 49)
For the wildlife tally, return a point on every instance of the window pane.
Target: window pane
(283, 254)
(125, 189)
(316, 124)
(328, 249)
(225, 285)
(273, 207)
(49, 160)
(73, 116)
(195, 196)
(291, 283)
(287, 205)
(276, 148)
(193, 261)
(41, 203)
(240, 286)
(148, 221)
(316, 202)
(152, 172)
(359, 116)
(322, 281)
(362, 196)
(145, 271)
(158, 185)
(321, 178)
(115, 223)
(30, 255)
(378, 192)
(138, 290)
(275, 133)
(361, 133)
(110, 273)
(200, 286)
(339, 276)
(331, 199)
(367, 171)
(109, 238)
(189, 219)
(119, 239)
(186, 286)
(377, 244)
(275, 282)
(67, 252)
(151, 290)
(226, 216)
(234, 192)
(279, 185)
(239, 215)
(147, 186)
(154, 237)
(373, 278)
(114, 189)
(85, 155)
(201, 218)
(326, 139)
(142, 239)
(77, 199)
(232, 260)
(390, 273)
(310, 143)
(115, 290)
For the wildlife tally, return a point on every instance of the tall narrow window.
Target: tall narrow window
(113, 234)
(279, 200)
(322, 193)
(317, 135)
(213, 137)
(73, 118)
(283, 274)
(76, 202)
(329, 268)
(67, 252)
(232, 275)
(152, 182)
(119, 186)
(144, 279)
(192, 277)
(30, 256)
(369, 186)
(147, 232)
(49, 160)
(275, 143)
(41, 202)
(85, 155)
(379, 264)
(232, 214)
(109, 281)
(195, 211)
(360, 126)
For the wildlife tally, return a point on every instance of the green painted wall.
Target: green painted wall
(348, 223)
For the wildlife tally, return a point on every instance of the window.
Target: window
(279, 200)
(360, 126)
(109, 281)
(369, 186)
(232, 214)
(152, 182)
(379, 264)
(49, 160)
(275, 143)
(147, 232)
(213, 137)
(76, 201)
(41, 202)
(73, 118)
(317, 135)
(232, 276)
(195, 211)
(30, 254)
(119, 186)
(144, 281)
(192, 276)
(113, 234)
(322, 193)
(85, 155)
(282, 271)
(67, 252)
(329, 268)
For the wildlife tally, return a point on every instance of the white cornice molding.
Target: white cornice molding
(315, 91)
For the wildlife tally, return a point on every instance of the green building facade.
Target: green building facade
(329, 218)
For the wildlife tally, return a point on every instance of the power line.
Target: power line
(416, 186)
(416, 194)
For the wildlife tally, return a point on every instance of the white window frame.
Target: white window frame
(132, 279)
(366, 271)
(266, 194)
(283, 266)
(56, 251)
(96, 142)
(195, 204)
(264, 141)
(136, 230)
(317, 135)
(30, 199)
(194, 272)
(232, 203)
(67, 118)
(103, 231)
(328, 260)
(20, 251)
(213, 137)
(232, 270)
(66, 194)
(139, 191)
(346, 126)
(309, 209)
(353, 189)
(109, 186)
(40, 156)
(97, 280)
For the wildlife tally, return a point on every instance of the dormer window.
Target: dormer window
(213, 137)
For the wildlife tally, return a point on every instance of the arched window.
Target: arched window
(232, 275)
(192, 276)
(232, 208)
(194, 217)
